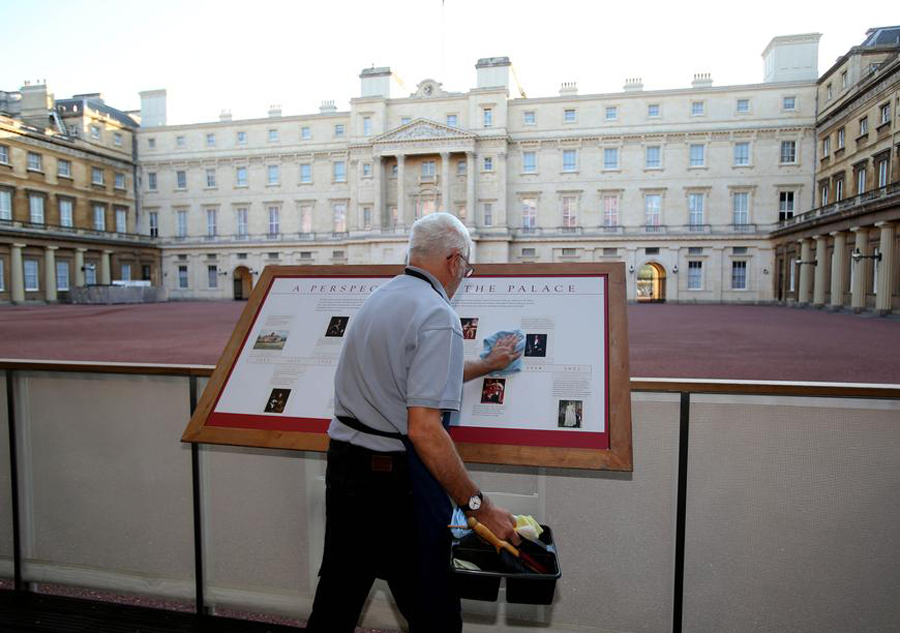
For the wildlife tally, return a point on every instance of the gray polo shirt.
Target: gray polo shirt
(404, 348)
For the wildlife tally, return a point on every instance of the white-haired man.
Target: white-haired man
(391, 462)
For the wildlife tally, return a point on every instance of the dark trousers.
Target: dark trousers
(379, 524)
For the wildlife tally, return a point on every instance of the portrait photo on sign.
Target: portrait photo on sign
(271, 339)
(469, 328)
(277, 400)
(337, 325)
(493, 391)
(535, 345)
(570, 412)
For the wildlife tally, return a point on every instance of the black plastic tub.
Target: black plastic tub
(484, 584)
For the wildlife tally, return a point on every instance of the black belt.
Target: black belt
(356, 425)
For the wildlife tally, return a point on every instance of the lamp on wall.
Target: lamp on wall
(631, 268)
(857, 255)
(812, 262)
(675, 269)
(765, 271)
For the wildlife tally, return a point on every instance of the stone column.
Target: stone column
(401, 190)
(445, 182)
(79, 267)
(838, 269)
(470, 189)
(105, 268)
(858, 291)
(805, 272)
(500, 214)
(50, 273)
(17, 273)
(821, 267)
(378, 203)
(885, 268)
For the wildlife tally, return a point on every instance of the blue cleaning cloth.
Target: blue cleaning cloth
(490, 341)
(459, 518)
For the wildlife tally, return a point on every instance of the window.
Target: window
(569, 115)
(528, 117)
(610, 252)
(394, 170)
(62, 276)
(35, 162)
(179, 141)
(273, 135)
(367, 170)
(241, 177)
(528, 252)
(154, 224)
(151, 181)
(210, 223)
(570, 160)
(242, 138)
(337, 254)
(273, 174)
(529, 213)
(340, 217)
(405, 119)
(367, 126)
(739, 275)
(695, 275)
(740, 208)
(488, 163)
(305, 173)
(838, 189)
(695, 250)
(741, 154)
(569, 211)
(120, 181)
(5, 204)
(90, 274)
(274, 227)
(529, 162)
(181, 218)
(570, 252)
(698, 158)
(886, 113)
(31, 275)
(306, 218)
(861, 180)
(151, 143)
(611, 158)
(428, 168)
(653, 110)
(451, 120)
(612, 113)
(99, 217)
(826, 146)
(338, 130)
(823, 194)
(695, 209)
(788, 152)
(651, 250)
(210, 140)
(340, 174)
(181, 179)
(121, 221)
(36, 208)
(242, 221)
(843, 80)
(487, 117)
(210, 177)
(461, 168)
(425, 206)
(63, 168)
(653, 157)
(367, 218)
(212, 276)
(743, 106)
(4, 154)
(305, 254)
(864, 126)
(305, 133)
(789, 103)
(66, 207)
(882, 173)
(652, 205)
(182, 277)
(698, 108)
(95, 132)
(117, 139)
(488, 214)
(828, 92)
(96, 176)
(610, 211)
(840, 138)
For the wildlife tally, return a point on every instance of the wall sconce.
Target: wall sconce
(765, 271)
(631, 269)
(88, 267)
(675, 269)
(809, 263)
(857, 255)
(254, 272)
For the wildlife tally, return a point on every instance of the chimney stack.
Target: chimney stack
(375, 82)
(633, 84)
(702, 80)
(153, 108)
(328, 107)
(225, 115)
(568, 89)
(493, 72)
(274, 110)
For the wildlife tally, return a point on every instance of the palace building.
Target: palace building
(684, 185)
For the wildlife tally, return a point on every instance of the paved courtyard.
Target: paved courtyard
(679, 341)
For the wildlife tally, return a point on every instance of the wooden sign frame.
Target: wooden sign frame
(617, 457)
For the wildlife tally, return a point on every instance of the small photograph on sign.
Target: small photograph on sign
(277, 400)
(271, 339)
(570, 412)
(493, 391)
(536, 345)
(336, 326)
(469, 328)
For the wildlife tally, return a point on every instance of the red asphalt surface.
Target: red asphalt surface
(672, 341)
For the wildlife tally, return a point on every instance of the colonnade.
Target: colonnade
(17, 270)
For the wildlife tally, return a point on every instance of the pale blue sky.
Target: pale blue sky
(245, 56)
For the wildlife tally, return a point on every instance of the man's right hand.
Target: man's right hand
(499, 521)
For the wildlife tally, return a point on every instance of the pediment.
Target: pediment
(423, 130)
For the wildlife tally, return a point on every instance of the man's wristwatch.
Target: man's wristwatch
(474, 502)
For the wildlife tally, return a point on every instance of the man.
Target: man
(391, 462)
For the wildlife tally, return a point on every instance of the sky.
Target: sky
(246, 56)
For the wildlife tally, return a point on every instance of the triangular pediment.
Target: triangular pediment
(423, 130)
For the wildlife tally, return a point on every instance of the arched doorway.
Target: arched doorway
(651, 283)
(243, 283)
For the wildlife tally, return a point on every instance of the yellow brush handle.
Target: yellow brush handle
(485, 532)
